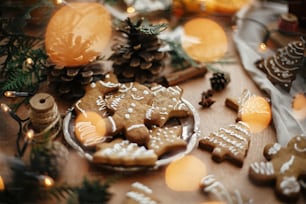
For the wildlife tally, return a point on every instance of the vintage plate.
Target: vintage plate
(190, 133)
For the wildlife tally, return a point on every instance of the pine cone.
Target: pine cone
(206, 100)
(49, 158)
(70, 81)
(219, 80)
(136, 55)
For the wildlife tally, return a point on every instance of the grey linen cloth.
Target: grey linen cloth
(247, 38)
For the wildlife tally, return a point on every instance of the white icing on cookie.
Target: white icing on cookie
(289, 185)
(264, 168)
(286, 166)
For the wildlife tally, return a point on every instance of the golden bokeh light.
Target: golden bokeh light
(2, 186)
(77, 33)
(185, 174)
(204, 40)
(225, 6)
(256, 112)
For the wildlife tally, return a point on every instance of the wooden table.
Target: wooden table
(211, 119)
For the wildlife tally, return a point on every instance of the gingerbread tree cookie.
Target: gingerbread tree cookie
(282, 67)
(229, 143)
(130, 106)
(124, 153)
(168, 103)
(285, 166)
(166, 139)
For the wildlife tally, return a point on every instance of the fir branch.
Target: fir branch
(153, 29)
(179, 58)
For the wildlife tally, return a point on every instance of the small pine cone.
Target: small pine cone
(136, 55)
(70, 81)
(219, 80)
(206, 100)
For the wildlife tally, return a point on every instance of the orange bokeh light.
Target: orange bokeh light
(185, 174)
(256, 112)
(2, 187)
(225, 6)
(77, 33)
(204, 40)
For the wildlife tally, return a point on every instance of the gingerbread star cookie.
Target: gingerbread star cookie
(124, 153)
(166, 139)
(168, 103)
(229, 143)
(130, 106)
(284, 168)
(93, 100)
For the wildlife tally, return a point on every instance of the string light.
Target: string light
(29, 135)
(45, 181)
(29, 61)
(262, 47)
(12, 94)
(5, 107)
(130, 10)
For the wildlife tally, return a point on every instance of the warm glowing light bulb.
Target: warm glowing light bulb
(29, 61)
(9, 94)
(30, 134)
(130, 9)
(48, 181)
(5, 107)
(2, 186)
(262, 47)
(57, 2)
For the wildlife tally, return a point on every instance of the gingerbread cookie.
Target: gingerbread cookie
(229, 143)
(168, 103)
(209, 184)
(130, 105)
(285, 166)
(140, 194)
(90, 129)
(166, 139)
(124, 153)
(93, 100)
(282, 67)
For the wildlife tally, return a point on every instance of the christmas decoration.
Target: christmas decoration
(70, 82)
(24, 62)
(136, 55)
(219, 80)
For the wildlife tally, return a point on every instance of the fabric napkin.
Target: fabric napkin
(247, 38)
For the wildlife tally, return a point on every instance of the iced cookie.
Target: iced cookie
(282, 67)
(230, 143)
(90, 129)
(140, 194)
(125, 153)
(284, 168)
(168, 103)
(93, 100)
(166, 139)
(130, 105)
(209, 184)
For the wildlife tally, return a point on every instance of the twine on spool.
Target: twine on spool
(44, 119)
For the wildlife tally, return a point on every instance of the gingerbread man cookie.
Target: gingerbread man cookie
(168, 103)
(285, 166)
(229, 143)
(93, 100)
(130, 105)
